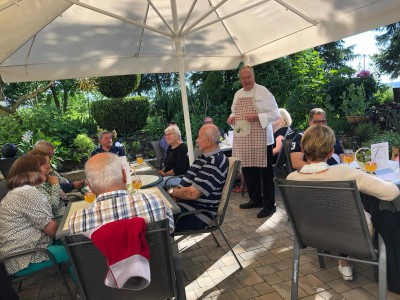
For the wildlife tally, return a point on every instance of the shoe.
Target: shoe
(346, 272)
(251, 204)
(265, 212)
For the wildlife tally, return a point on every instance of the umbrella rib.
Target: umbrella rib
(189, 30)
(187, 17)
(115, 16)
(159, 14)
(297, 12)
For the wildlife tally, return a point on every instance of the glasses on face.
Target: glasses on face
(320, 122)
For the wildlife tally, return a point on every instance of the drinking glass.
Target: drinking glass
(136, 182)
(370, 165)
(139, 159)
(89, 197)
(348, 156)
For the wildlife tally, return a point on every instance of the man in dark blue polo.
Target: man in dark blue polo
(106, 145)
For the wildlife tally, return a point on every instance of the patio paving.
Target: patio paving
(264, 249)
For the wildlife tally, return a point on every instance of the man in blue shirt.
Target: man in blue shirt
(202, 185)
(106, 145)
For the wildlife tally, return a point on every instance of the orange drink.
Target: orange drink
(348, 158)
(371, 166)
(139, 159)
(136, 183)
(89, 197)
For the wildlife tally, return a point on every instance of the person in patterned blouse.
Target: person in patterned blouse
(26, 219)
(106, 177)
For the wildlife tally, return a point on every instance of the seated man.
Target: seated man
(202, 185)
(65, 185)
(106, 145)
(316, 116)
(107, 179)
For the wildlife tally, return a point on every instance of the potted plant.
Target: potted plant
(354, 104)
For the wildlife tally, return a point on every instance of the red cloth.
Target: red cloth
(123, 243)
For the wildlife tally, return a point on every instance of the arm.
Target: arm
(51, 228)
(266, 106)
(186, 193)
(278, 145)
(297, 159)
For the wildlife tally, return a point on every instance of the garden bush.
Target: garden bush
(126, 115)
(117, 86)
(83, 146)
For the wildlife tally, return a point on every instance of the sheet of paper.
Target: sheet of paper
(230, 137)
(74, 207)
(144, 167)
(380, 154)
(242, 128)
(125, 165)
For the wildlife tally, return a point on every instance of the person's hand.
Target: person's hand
(78, 184)
(252, 118)
(52, 179)
(231, 120)
(161, 173)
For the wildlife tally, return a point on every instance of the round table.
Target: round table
(150, 180)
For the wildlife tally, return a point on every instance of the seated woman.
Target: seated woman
(26, 220)
(177, 161)
(280, 127)
(51, 187)
(317, 144)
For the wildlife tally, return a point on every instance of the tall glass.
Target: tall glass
(136, 182)
(348, 157)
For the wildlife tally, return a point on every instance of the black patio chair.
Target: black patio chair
(90, 267)
(159, 154)
(5, 165)
(329, 215)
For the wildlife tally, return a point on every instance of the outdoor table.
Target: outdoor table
(63, 228)
(150, 180)
(144, 168)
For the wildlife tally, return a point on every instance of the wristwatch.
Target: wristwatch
(170, 191)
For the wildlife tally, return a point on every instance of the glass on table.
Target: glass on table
(136, 182)
(139, 159)
(370, 165)
(89, 197)
(348, 156)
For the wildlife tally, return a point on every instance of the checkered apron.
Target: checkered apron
(252, 148)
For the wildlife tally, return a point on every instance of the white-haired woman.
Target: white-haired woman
(177, 161)
(281, 127)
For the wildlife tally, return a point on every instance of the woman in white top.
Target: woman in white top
(317, 144)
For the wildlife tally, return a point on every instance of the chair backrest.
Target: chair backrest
(5, 165)
(3, 189)
(327, 215)
(234, 164)
(158, 152)
(90, 267)
(283, 165)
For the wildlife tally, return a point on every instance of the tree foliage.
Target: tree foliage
(118, 86)
(388, 42)
(125, 115)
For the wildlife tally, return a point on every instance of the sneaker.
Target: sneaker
(346, 272)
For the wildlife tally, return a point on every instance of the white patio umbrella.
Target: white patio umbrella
(59, 39)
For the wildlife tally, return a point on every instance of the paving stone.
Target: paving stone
(311, 284)
(248, 278)
(247, 293)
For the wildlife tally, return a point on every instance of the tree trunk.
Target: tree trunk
(55, 97)
(396, 94)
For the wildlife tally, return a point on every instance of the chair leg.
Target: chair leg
(229, 244)
(215, 239)
(321, 259)
(178, 272)
(382, 269)
(295, 271)
(63, 280)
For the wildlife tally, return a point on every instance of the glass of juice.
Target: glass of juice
(139, 159)
(89, 197)
(371, 166)
(348, 157)
(136, 183)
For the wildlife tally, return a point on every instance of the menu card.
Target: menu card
(380, 154)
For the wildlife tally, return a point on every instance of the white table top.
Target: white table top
(392, 173)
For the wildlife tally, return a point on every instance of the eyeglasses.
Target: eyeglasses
(320, 122)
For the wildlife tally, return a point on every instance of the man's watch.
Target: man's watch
(170, 191)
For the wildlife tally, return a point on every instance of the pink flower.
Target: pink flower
(364, 73)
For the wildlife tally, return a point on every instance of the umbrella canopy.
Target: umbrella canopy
(59, 39)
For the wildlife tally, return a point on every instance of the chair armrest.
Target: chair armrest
(33, 250)
(194, 212)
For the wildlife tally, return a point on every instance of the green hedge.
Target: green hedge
(126, 115)
(118, 86)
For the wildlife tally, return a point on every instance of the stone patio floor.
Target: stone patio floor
(264, 249)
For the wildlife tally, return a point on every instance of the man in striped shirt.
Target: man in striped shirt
(106, 177)
(202, 185)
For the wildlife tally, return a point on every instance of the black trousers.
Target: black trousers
(260, 182)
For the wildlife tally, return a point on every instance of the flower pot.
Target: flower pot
(357, 119)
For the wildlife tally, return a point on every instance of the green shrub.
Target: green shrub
(83, 147)
(117, 86)
(126, 116)
(10, 129)
(365, 131)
